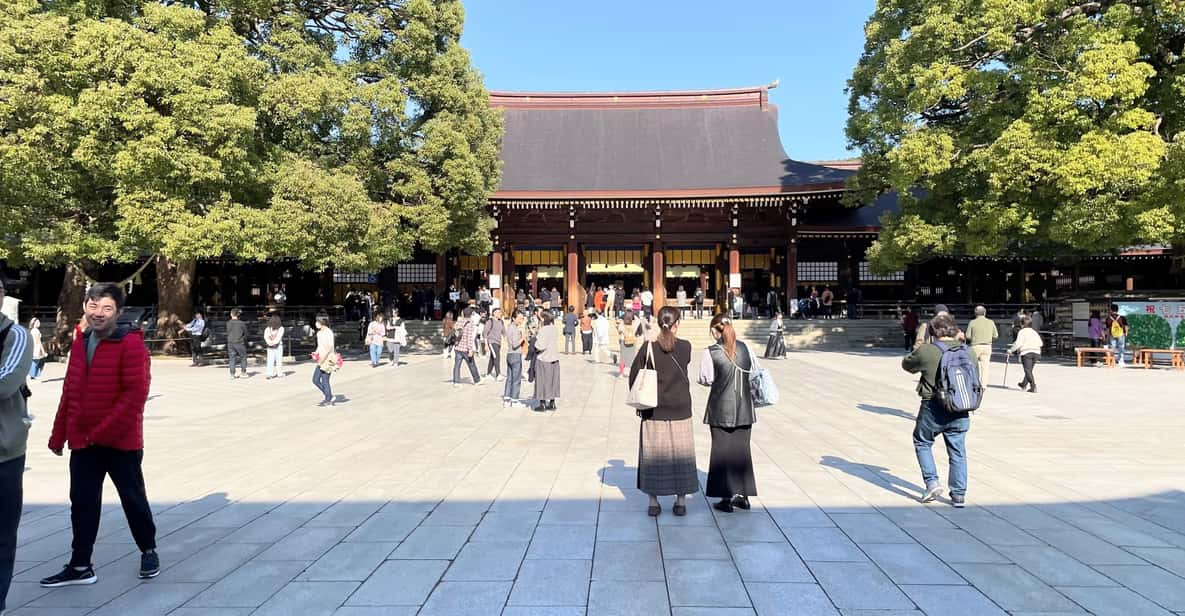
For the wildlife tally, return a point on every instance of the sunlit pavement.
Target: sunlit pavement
(412, 497)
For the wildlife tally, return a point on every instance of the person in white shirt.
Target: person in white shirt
(600, 337)
(1028, 345)
(610, 295)
(273, 339)
(647, 302)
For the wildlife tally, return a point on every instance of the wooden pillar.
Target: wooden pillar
(572, 276)
(658, 275)
(792, 271)
(496, 276)
(734, 268)
(441, 274)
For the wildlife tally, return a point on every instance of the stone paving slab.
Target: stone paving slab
(416, 498)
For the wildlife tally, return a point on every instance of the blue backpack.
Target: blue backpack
(957, 385)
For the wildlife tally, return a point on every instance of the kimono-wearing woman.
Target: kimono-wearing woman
(547, 364)
(776, 346)
(666, 443)
(725, 366)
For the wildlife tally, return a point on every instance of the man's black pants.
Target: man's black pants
(11, 493)
(494, 366)
(88, 468)
(237, 353)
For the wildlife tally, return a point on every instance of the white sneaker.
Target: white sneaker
(933, 491)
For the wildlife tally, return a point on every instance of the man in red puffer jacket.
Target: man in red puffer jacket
(101, 418)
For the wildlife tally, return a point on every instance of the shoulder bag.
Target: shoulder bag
(644, 392)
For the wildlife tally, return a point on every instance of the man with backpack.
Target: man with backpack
(16, 355)
(950, 389)
(1116, 328)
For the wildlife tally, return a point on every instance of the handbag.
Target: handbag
(644, 392)
(762, 386)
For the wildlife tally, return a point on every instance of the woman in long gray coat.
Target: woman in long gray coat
(547, 364)
(725, 366)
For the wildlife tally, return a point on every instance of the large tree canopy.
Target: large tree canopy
(1033, 127)
(338, 133)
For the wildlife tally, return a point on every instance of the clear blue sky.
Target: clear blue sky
(810, 45)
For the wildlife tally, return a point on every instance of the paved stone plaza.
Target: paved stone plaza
(415, 498)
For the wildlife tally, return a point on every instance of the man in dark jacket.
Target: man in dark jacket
(101, 418)
(236, 342)
(16, 355)
(933, 418)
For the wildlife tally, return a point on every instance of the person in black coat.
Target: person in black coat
(725, 366)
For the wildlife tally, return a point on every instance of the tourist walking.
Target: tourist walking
(325, 357)
(273, 339)
(725, 367)
(196, 329)
(236, 342)
(586, 334)
(1028, 346)
(600, 325)
(376, 331)
(681, 299)
(570, 323)
(396, 337)
(698, 302)
(448, 331)
(619, 301)
(666, 443)
(647, 302)
(466, 348)
(827, 299)
(101, 419)
(495, 330)
(16, 357)
(776, 345)
(1116, 329)
(909, 327)
(981, 333)
(516, 347)
(39, 353)
(934, 419)
(590, 298)
(547, 364)
(610, 298)
(629, 332)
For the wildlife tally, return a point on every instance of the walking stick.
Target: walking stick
(1007, 360)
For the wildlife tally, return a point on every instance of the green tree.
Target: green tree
(339, 135)
(1021, 126)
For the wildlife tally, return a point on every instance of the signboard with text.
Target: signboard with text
(1154, 325)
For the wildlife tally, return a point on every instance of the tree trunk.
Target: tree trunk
(174, 289)
(69, 313)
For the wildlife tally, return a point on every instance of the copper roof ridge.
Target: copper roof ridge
(752, 95)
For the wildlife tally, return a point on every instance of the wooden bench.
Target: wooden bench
(1176, 357)
(1085, 352)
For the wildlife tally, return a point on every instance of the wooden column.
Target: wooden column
(658, 275)
(496, 270)
(734, 266)
(572, 276)
(791, 271)
(441, 280)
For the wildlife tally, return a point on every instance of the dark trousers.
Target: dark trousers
(495, 358)
(88, 469)
(237, 353)
(321, 380)
(586, 343)
(466, 358)
(1027, 361)
(195, 348)
(11, 494)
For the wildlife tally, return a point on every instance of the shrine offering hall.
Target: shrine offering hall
(664, 190)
